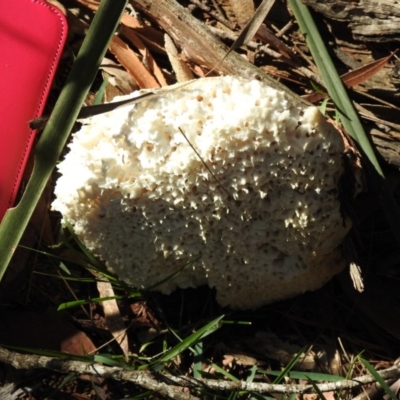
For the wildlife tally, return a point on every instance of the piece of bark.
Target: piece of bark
(369, 20)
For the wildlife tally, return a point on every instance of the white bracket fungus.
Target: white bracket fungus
(232, 170)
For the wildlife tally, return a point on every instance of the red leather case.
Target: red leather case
(32, 36)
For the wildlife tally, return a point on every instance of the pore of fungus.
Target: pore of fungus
(229, 172)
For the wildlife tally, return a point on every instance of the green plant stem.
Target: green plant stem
(59, 126)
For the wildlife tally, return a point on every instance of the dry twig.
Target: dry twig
(144, 379)
(171, 386)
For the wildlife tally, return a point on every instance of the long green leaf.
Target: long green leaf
(173, 275)
(91, 258)
(59, 126)
(191, 340)
(66, 380)
(76, 303)
(49, 353)
(317, 389)
(290, 365)
(226, 374)
(315, 376)
(197, 359)
(108, 359)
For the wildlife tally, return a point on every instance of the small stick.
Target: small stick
(171, 386)
(207, 167)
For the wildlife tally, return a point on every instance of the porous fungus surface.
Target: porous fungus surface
(266, 223)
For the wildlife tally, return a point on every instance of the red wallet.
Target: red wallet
(32, 36)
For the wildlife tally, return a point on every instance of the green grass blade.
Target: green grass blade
(172, 276)
(315, 376)
(252, 374)
(49, 353)
(290, 365)
(233, 396)
(317, 389)
(112, 361)
(67, 278)
(236, 322)
(378, 378)
(191, 340)
(76, 303)
(64, 268)
(60, 124)
(197, 359)
(92, 259)
(65, 381)
(226, 374)
(100, 93)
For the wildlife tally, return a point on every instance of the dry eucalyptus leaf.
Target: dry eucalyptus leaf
(127, 57)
